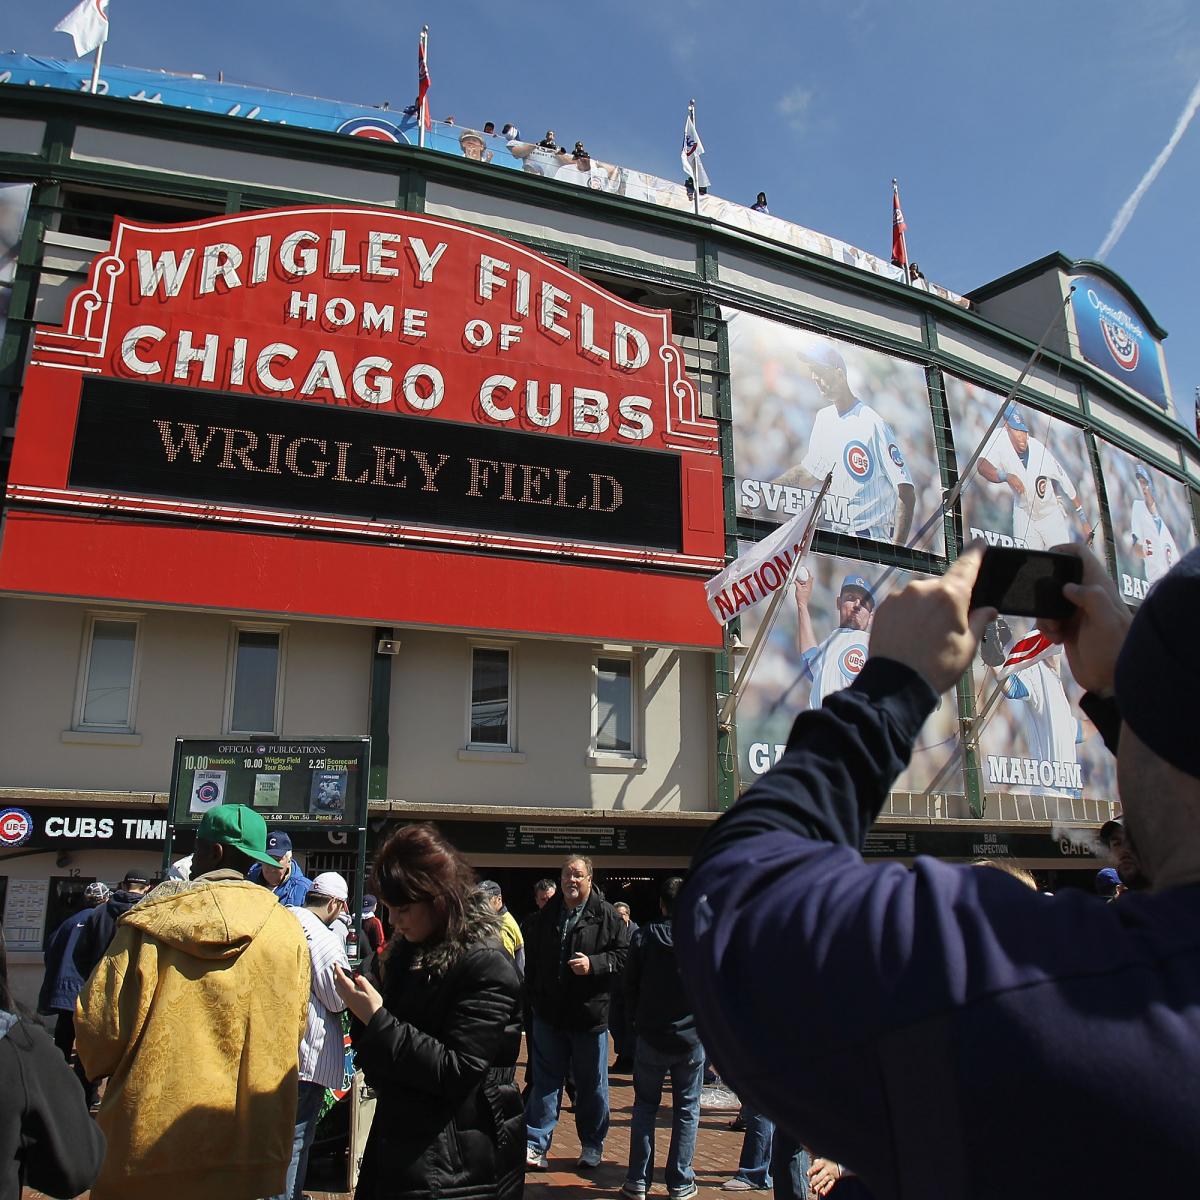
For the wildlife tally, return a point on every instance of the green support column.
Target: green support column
(379, 721)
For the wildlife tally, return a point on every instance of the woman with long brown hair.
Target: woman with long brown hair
(437, 1033)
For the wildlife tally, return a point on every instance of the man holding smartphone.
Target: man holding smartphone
(939, 989)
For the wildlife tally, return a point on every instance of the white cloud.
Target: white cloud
(794, 106)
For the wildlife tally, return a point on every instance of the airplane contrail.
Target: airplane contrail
(1125, 215)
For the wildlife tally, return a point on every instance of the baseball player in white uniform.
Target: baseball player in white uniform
(1052, 731)
(1026, 465)
(859, 446)
(835, 662)
(1152, 540)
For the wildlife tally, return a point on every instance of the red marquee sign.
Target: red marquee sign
(364, 414)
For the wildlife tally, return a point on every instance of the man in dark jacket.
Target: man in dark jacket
(1025, 1022)
(101, 926)
(62, 982)
(576, 951)
(661, 1015)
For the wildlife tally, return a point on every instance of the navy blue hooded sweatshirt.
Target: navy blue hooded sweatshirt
(943, 1030)
(655, 998)
(99, 930)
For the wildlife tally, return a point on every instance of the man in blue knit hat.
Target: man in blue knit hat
(923, 1025)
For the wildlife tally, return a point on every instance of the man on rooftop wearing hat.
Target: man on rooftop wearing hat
(835, 662)
(280, 872)
(1024, 1022)
(195, 1015)
(322, 1053)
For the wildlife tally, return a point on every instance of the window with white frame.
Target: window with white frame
(255, 674)
(108, 674)
(614, 706)
(490, 719)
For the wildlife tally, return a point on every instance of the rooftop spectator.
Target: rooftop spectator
(760, 205)
(489, 127)
(549, 142)
(579, 151)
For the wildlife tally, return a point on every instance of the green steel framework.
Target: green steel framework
(413, 169)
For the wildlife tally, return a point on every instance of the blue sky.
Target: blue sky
(1015, 129)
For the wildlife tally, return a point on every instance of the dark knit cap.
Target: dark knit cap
(1159, 664)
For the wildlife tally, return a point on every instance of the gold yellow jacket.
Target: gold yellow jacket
(195, 1016)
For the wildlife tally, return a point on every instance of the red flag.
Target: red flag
(1026, 651)
(899, 229)
(423, 84)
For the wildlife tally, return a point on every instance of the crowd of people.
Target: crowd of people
(892, 1031)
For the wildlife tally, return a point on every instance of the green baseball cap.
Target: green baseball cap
(237, 826)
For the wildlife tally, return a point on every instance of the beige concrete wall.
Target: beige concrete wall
(182, 675)
(551, 767)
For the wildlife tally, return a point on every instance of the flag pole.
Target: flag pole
(810, 529)
(423, 114)
(96, 68)
(695, 181)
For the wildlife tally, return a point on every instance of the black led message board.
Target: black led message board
(152, 440)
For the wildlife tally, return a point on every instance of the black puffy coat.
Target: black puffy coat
(47, 1139)
(561, 998)
(449, 1121)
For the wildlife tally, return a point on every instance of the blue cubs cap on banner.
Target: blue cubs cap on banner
(858, 582)
(823, 354)
(1158, 663)
(278, 844)
(1014, 420)
(237, 826)
(1140, 472)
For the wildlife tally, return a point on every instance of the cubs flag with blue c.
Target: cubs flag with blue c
(87, 23)
(693, 150)
(762, 570)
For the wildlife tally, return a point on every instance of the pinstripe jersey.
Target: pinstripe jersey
(322, 1052)
(1038, 518)
(861, 449)
(835, 663)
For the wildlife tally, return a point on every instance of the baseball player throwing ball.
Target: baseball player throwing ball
(859, 446)
(835, 662)
(1152, 540)
(1026, 466)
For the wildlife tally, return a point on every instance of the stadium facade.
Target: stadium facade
(309, 436)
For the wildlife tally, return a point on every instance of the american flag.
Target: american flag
(899, 229)
(1026, 651)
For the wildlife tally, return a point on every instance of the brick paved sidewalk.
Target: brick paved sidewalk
(717, 1150)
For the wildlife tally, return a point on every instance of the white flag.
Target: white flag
(760, 572)
(87, 23)
(693, 149)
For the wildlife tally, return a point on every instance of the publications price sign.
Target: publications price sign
(462, 422)
(305, 781)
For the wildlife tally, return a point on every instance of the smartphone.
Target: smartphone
(1026, 583)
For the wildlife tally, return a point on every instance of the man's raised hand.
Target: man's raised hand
(929, 624)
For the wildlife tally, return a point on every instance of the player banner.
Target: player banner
(1033, 485)
(14, 208)
(1151, 521)
(1033, 738)
(805, 404)
(818, 645)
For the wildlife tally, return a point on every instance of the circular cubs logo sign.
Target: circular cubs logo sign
(1122, 345)
(16, 827)
(853, 660)
(858, 460)
(373, 129)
